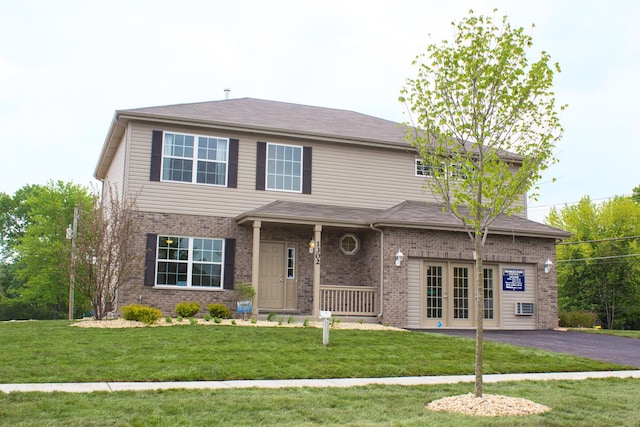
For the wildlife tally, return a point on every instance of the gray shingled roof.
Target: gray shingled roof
(409, 214)
(263, 115)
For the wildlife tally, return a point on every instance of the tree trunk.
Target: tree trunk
(479, 313)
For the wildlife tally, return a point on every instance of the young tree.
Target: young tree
(484, 124)
(106, 257)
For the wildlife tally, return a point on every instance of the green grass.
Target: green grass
(616, 332)
(605, 402)
(52, 351)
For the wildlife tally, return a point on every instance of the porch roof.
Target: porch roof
(407, 214)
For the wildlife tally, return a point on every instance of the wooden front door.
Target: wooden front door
(447, 295)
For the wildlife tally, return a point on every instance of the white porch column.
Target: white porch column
(317, 237)
(255, 264)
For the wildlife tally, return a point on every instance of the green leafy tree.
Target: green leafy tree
(33, 228)
(484, 124)
(599, 266)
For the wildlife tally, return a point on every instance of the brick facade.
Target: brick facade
(338, 269)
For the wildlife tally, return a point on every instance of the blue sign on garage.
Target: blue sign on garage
(513, 279)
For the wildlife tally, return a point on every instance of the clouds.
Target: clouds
(65, 66)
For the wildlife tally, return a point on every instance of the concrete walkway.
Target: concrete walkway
(336, 382)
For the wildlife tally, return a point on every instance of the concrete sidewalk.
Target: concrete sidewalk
(336, 382)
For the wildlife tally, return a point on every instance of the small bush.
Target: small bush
(306, 323)
(207, 318)
(254, 320)
(217, 319)
(220, 311)
(141, 313)
(291, 320)
(187, 309)
(168, 319)
(577, 319)
(179, 319)
(233, 322)
(271, 316)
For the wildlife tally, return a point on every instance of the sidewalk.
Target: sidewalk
(336, 382)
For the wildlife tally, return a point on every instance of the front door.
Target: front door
(277, 287)
(271, 287)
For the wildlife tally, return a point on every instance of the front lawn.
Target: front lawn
(602, 402)
(52, 351)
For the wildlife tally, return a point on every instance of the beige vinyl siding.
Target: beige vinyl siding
(115, 177)
(414, 287)
(341, 175)
(508, 299)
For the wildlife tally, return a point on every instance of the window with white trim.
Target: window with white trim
(426, 169)
(209, 155)
(291, 263)
(189, 262)
(284, 167)
(454, 171)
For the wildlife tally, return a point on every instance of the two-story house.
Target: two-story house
(317, 208)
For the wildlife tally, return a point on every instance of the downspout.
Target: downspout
(379, 315)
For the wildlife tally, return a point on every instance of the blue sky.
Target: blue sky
(66, 66)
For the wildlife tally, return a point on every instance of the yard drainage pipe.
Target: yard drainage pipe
(379, 316)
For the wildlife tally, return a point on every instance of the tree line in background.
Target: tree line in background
(36, 251)
(599, 266)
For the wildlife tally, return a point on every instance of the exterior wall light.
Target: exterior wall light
(399, 257)
(547, 266)
(312, 246)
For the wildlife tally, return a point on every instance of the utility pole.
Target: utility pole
(71, 234)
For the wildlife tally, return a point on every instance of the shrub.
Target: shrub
(141, 313)
(168, 319)
(187, 309)
(244, 291)
(207, 318)
(271, 317)
(219, 310)
(577, 319)
(193, 321)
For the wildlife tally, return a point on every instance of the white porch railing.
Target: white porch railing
(349, 300)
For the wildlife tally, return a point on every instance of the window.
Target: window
(189, 262)
(488, 294)
(454, 171)
(209, 155)
(349, 244)
(425, 169)
(284, 168)
(291, 263)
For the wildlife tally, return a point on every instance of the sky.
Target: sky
(66, 66)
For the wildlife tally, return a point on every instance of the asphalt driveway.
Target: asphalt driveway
(620, 350)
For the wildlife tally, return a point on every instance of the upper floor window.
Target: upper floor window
(454, 171)
(189, 262)
(194, 158)
(426, 169)
(284, 167)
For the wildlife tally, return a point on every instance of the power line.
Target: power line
(612, 239)
(597, 258)
(552, 205)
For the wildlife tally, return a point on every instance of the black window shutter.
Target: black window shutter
(229, 263)
(261, 165)
(156, 155)
(150, 260)
(306, 170)
(232, 179)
